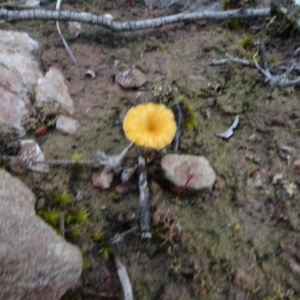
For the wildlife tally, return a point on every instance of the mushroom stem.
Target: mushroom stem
(144, 210)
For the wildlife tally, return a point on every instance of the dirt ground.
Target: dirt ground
(238, 241)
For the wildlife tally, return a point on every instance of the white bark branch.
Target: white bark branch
(63, 15)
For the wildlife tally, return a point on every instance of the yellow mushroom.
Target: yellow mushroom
(150, 125)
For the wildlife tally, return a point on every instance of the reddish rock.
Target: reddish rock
(40, 131)
(188, 171)
(103, 179)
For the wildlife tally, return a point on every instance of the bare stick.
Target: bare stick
(263, 55)
(228, 59)
(112, 161)
(124, 280)
(161, 287)
(178, 130)
(144, 212)
(278, 80)
(58, 3)
(63, 15)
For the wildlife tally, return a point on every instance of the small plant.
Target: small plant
(97, 237)
(81, 215)
(246, 41)
(75, 231)
(51, 216)
(77, 157)
(105, 251)
(61, 198)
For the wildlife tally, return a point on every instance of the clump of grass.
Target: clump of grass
(81, 215)
(51, 216)
(61, 198)
(75, 230)
(246, 41)
(105, 251)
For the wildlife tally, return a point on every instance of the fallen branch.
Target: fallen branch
(276, 80)
(83, 17)
(228, 59)
(144, 210)
(179, 124)
(124, 280)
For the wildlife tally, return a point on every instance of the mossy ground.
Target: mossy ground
(241, 238)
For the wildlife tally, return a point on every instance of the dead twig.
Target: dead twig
(119, 241)
(124, 280)
(229, 59)
(111, 161)
(179, 124)
(144, 209)
(162, 285)
(263, 55)
(57, 7)
(276, 80)
(83, 17)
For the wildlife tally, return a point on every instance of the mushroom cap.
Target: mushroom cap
(150, 125)
(178, 168)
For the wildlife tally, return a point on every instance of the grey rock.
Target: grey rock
(54, 87)
(29, 153)
(67, 125)
(19, 72)
(195, 171)
(129, 76)
(15, 53)
(36, 263)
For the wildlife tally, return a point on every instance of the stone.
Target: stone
(67, 125)
(129, 77)
(54, 87)
(15, 53)
(36, 263)
(188, 171)
(19, 72)
(30, 151)
(103, 179)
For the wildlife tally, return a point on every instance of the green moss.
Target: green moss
(105, 251)
(81, 215)
(190, 116)
(162, 47)
(246, 41)
(97, 237)
(61, 198)
(51, 216)
(75, 230)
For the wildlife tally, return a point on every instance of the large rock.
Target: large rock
(36, 263)
(15, 52)
(188, 171)
(19, 72)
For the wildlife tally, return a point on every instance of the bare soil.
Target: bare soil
(238, 241)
